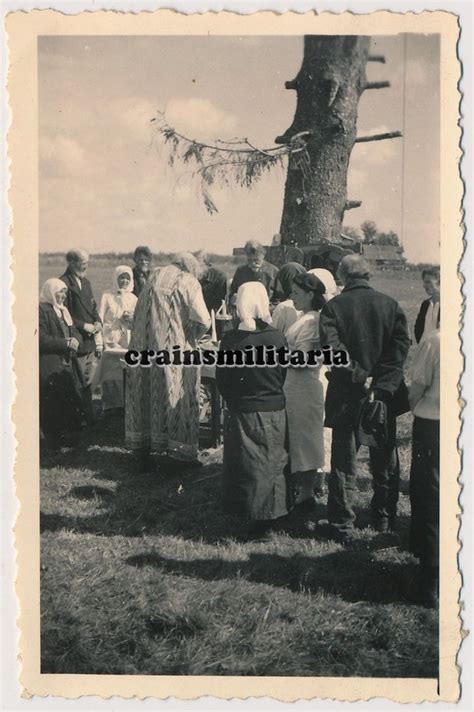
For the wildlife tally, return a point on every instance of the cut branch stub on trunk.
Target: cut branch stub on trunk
(376, 58)
(378, 137)
(329, 85)
(351, 204)
(376, 85)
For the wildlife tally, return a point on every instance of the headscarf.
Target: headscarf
(122, 269)
(252, 303)
(188, 263)
(325, 276)
(287, 274)
(310, 283)
(48, 296)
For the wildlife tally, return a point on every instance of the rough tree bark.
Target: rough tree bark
(329, 85)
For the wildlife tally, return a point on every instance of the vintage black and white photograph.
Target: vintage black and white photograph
(239, 334)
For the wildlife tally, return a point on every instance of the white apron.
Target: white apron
(305, 399)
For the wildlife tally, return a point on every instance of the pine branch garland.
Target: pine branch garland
(234, 161)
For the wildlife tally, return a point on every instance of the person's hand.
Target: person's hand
(89, 328)
(97, 327)
(368, 383)
(73, 344)
(98, 351)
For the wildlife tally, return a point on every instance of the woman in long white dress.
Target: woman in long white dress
(116, 310)
(304, 392)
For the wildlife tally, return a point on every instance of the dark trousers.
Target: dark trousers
(424, 491)
(87, 364)
(385, 469)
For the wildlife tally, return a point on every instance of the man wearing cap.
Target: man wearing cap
(373, 329)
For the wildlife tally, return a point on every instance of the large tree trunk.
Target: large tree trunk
(329, 84)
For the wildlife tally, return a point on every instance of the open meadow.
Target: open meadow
(143, 574)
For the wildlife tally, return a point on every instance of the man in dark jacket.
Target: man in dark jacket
(427, 320)
(257, 269)
(143, 259)
(372, 327)
(83, 309)
(213, 282)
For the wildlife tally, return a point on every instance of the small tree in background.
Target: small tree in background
(369, 231)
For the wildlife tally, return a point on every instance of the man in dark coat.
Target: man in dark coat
(428, 317)
(142, 258)
(372, 327)
(83, 309)
(213, 282)
(257, 269)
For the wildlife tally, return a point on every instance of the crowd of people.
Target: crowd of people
(284, 427)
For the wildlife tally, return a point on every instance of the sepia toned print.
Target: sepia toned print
(222, 185)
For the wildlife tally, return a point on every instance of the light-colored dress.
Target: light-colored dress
(305, 399)
(162, 403)
(284, 315)
(116, 330)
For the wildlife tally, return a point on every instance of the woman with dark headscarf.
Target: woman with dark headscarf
(304, 391)
(285, 314)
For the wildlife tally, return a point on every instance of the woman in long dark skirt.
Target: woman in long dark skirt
(61, 408)
(255, 454)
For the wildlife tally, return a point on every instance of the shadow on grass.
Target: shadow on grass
(354, 576)
(186, 505)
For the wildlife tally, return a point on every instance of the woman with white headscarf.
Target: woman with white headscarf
(61, 408)
(117, 307)
(116, 310)
(255, 456)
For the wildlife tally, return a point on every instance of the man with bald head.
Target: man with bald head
(373, 329)
(83, 309)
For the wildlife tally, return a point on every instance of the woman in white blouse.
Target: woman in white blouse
(304, 391)
(116, 311)
(117, 307)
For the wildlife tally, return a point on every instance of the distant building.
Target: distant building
(384, 256)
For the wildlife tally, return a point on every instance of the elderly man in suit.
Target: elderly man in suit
(373, 329)
(83, 309)
(257, 269)
(428, 317)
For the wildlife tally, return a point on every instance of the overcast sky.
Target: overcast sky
(104, 179)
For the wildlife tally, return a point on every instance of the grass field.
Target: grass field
(143, 574)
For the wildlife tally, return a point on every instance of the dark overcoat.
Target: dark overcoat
(61, 406)
(55, 357)
(82, 308)
(214, 288)
(139, 280)
(372, 328)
